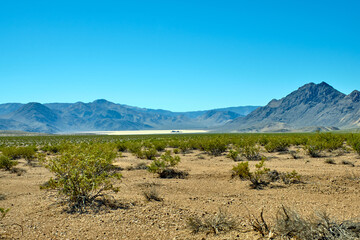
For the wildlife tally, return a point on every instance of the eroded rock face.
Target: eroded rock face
(312, 106)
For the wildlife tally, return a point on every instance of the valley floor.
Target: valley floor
(334, 188)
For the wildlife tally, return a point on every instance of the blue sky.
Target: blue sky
(175, 55)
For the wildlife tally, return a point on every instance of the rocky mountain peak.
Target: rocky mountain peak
(354, 96)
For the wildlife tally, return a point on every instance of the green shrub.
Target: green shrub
(250, 152)
(241, 170)
(3, 213)
(277, 145)
(314, 150)
(162, 164)
(291, 177)
(159, 145)
(121, 146)
(234, 155)
(149, 153)
(215, 147)
(19, 152)
(83, 173)
(6, 163)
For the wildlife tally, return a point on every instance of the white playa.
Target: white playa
(143, 132)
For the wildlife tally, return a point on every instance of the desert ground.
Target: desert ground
(208, 189)
(142, 132)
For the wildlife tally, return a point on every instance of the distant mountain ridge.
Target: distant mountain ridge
(102, 115)
(312, 106)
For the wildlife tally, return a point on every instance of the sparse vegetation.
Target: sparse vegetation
(217, 223)
(291, 225)
(83, 173)
(6, 163)
(164, 166)
(86, 173)
(152, 194)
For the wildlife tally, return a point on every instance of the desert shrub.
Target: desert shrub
(234, 155)
(215, 147)
(258, 178)
(19, 152)
(259, 224)
(242, 171)
(330, 141)
(294, 154)
(354, 142)
(184, 147)
(290, 225)
(176, 151)
(83, 173)
(159, 145)
(291, 177)
(135, 148)
(122, 146)
(330, 161)
(173, 173)
(152, 194)
(345, 162)
(51, 148)
(6, 163)
(139, 166)
(163, 166)
(263, 140)
(220, 222)
(250, 152)
(3, 212)
(314, 150)
(277, 145)
(149, 153)
(2, 196)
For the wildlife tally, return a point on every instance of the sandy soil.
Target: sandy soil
(209, 187)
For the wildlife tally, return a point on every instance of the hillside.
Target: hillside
(310, 106)
(102, 115)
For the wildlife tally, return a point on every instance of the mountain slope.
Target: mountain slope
(310, 105)
(101, 115)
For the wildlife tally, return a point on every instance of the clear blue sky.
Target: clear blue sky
(176, 55)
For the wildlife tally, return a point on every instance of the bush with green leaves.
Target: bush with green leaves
(6, 163)
(83, 173)
(149, 153)
(3, 213)
(234, 155)
(291, 177)
(241, 170)
(277, 145)
(354, 142)
(215, 147)
(314, 150)
(163, 164)
(19, 152)
(250, 152)
(258, 178)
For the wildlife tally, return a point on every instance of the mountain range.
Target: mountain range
(102, 115)
(309, 108)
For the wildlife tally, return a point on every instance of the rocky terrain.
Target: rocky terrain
(311, 107)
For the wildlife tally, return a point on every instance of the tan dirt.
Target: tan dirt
(208, 188)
